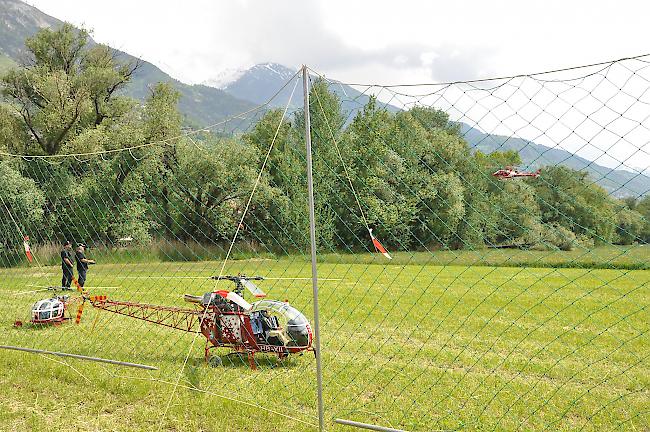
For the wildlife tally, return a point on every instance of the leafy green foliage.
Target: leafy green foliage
(6, 63)
(21, 202)
(410, 176)
(643, 208)
(67, 89)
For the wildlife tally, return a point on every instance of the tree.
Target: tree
(66, 87)
(487, 205)
(21, 202)
(629, 227)
(372, 167)
(13, 138)
(103, 77)
(327, 124)
(286, 211)
(162, 124)
(211, 189)
(567, 197)
(433, 119)
(643, 207)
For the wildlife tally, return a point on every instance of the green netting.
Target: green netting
(507, 304)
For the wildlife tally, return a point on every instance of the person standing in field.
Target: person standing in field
(66, 264)
(82, 263)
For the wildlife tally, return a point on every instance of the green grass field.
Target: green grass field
(409, 345)
(636, 257)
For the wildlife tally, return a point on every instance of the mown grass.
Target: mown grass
(635, 257)
(410, 345)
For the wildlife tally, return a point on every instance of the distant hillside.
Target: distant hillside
(200, 104)
(5, 63)
(18, 21)
(259, 83)
(619, 183)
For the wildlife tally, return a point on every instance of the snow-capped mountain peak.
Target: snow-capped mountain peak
(225, 77)
(283, 72)
(259, 72)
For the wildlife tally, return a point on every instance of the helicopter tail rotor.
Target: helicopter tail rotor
(92, 300)
(80, 310)
(84, 297)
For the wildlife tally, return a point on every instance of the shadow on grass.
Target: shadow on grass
(27, 326)
(194, 370)
(235, 360)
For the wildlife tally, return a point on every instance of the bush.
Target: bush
(557, 236)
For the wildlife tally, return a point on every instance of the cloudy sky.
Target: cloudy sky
(389, 42)
(365, 41)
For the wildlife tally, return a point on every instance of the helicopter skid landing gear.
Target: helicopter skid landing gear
(250, 355)
(251, 360)
(216, 361)
(212, 360)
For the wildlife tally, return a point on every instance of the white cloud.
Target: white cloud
(409, 40)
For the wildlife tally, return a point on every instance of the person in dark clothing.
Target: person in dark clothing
(82, 263)
(66, 264)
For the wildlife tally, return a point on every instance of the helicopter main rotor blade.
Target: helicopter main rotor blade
(215, 278)
(163, 277)
(30, 292)
(193, 298)
(302, 278)
(237, 299)
(254, 289)
(44, 288)
(102, 287)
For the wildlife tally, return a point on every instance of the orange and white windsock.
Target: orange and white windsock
(28, 250)
(378, 246)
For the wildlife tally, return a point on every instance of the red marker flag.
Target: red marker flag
(28, 251)
(378, 246)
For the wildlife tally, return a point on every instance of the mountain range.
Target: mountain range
(261, 82)
(236, 91)
(201, 104)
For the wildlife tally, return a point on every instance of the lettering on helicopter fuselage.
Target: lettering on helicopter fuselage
(272, 348)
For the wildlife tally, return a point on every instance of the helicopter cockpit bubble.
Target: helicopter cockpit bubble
(287, 319)
(47, 310)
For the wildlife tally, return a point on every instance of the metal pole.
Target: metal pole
(80, 357)
(366, 426)
(312, 238)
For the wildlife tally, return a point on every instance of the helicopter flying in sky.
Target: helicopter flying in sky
(512, 172)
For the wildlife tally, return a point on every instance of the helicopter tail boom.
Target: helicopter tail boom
(173, 317)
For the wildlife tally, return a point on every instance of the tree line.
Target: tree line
(132, 173)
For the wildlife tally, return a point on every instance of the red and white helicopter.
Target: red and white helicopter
(225, 319)
(512, 172)
(50, 310)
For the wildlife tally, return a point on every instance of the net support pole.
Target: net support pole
(312, 239)
(79, 357)
(366, 426)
